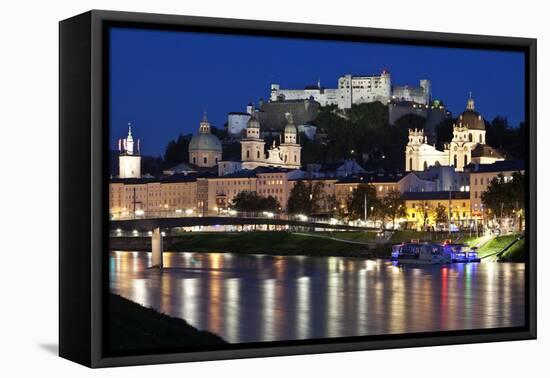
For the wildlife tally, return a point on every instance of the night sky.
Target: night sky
(163, 81)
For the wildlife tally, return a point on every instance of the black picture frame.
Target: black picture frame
(83, 211)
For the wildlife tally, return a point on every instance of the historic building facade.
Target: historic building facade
(205, 149)
(467, 146)
(481, 176)
(285, 155)
(422, 209)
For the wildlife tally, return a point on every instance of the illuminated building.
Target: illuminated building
(467, 146)
(421, 209)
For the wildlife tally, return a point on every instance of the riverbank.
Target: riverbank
(273, 243)
(345, 244)
(134, 327)
(516, 253)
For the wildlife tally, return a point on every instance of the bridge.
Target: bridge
(155, 225)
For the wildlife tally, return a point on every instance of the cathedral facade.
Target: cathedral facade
(467, 146)
(285, 155)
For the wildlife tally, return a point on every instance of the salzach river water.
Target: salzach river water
(250, 298)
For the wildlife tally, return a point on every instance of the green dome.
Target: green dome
(290, 128)
(253, 123)
(205, 142)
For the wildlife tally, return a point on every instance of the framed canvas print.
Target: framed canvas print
(234, 188)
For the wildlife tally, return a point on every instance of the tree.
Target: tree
(331, 204)
(423, 210)
(444, 132)
(510, 140)
(505, 197)
(305, 198)
(356, 202)
(441, 216)
(249, 201)
(393, 204)
(177, 151)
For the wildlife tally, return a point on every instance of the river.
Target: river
(251, 298)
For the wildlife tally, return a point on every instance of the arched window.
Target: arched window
(194, 160)
(295, 159)
(216, 160)
(470, 137)
(425, 165)
(455, 160)
(286, 158)
(248, 154)
(205, 160)
(480, 138)
(258, 154)
(410, 164)
(465, 160)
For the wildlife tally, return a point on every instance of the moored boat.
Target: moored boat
(420, 253)
(461, 252)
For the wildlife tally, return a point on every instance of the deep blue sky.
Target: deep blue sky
(162, 81)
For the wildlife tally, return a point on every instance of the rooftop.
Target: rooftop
(498, 166)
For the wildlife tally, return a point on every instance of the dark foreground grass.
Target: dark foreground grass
(273, 243)
(137, 328)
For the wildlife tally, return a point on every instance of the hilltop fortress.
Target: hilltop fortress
(356, 90)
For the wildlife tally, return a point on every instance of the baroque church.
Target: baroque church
(205, 149)
(467, 146)
(286, 155)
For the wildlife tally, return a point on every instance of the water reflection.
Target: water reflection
(265, 298)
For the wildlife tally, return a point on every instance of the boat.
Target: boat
(420, 253)
(461, 252)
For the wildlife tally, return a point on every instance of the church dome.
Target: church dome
(205, 142)
(290, 128)
(470, 118)
(253, 123)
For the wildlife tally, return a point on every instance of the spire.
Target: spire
(470, 105)
(204, 127)
(128, 143)
(319, 83)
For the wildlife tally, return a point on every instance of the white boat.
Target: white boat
(420, 253)
(461, 252)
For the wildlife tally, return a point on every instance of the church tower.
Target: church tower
(129, 159)
(291, 149)
(252, 146)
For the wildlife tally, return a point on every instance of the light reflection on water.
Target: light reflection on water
(249, 298)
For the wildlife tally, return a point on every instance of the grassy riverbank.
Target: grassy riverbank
(134, 327)
(338, 243)
(275, 243)
(516, 253)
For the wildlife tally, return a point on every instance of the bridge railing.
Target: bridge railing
(232, 213)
